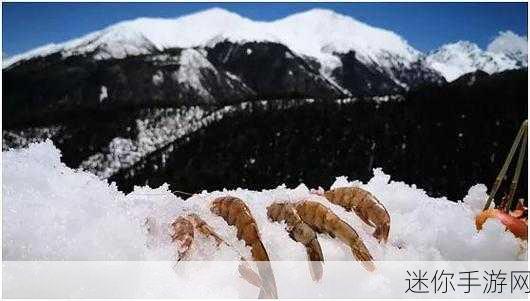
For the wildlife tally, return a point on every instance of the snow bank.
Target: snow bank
(52, 212)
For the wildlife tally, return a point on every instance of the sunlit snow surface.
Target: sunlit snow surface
(456, 59)
(52, 212)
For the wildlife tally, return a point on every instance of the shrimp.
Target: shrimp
(323, 220)
(183, 234)
(205, 229)
(518, 226)
(365, 206)
(300, 232)
(236, 213)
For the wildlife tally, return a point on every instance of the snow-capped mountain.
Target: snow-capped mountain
(511, 45)
(324, 32)
(324, 36)
(507, 51)
(216, 57)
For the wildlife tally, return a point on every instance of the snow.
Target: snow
(158, 78)
(17, 138)
(52, 212)
(157, 129)
(505, 52)
(512, 45)
(39, 51)
(103, 94)
(192, 63)
(324, 33)
(90, 233)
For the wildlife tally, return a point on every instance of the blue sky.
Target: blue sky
(425, 25)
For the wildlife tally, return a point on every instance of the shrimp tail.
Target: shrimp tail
(323, 220)
(314, 252)
(301, 232)
(253, 278)
(381, 232)
(236, 213)
(348, 235)
(249, 275)
(365, 205)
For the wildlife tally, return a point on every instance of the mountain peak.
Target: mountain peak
(512, 45)
(214, 15)
(456, 59)
(317, 33)
(462, 46)
(318, 13)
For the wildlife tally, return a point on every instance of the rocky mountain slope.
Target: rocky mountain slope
(213, 57)
(54, 87)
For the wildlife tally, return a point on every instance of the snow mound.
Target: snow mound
(52, 212)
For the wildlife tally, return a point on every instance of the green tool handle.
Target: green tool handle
(507, 162)
(519, 166)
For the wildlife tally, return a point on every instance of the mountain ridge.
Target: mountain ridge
(326, 35)
(225, 25)
(230, 59)
(507, 51)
